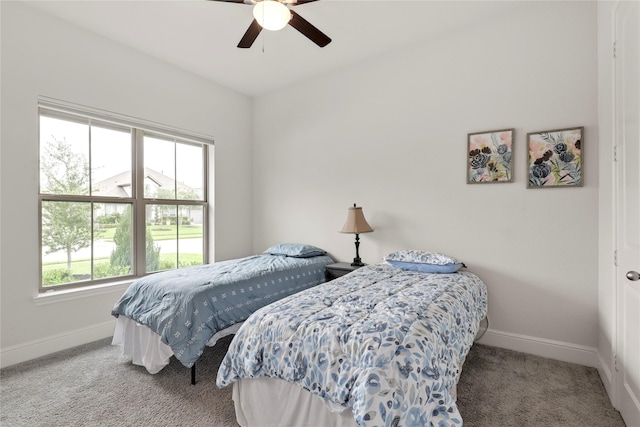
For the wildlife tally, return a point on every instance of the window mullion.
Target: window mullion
(139, 242)
(205, 205)
(93, 236)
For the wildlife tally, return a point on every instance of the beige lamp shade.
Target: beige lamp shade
(356, 223)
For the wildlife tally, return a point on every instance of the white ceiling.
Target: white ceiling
(201, 35)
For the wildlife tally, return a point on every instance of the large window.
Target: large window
(117, 200)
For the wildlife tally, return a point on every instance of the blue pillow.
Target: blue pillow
(295, 250)
(427, 268)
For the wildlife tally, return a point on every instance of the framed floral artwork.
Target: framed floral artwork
(555, 158)
(490, 156)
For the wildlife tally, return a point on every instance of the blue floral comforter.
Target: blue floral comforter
(389, 343)
(187, 306)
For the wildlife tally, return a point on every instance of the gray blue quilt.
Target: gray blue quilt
(187, 306)
(386, 342)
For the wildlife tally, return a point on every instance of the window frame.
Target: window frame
(139, 128)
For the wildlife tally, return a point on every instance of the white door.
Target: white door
(627, 129)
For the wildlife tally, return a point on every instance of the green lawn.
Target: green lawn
(56, 272)
(83, 266)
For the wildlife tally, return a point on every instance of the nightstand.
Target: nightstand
(339, 269)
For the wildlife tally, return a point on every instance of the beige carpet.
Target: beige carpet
(93, 385)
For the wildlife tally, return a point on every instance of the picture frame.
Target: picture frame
(555, 158)
(490, 156)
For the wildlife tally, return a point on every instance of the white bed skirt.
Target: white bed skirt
(268, 402)
(144, 346)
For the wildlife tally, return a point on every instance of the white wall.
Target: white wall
(43, 56)
(390, 134)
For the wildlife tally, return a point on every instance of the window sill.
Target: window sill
(55, 296)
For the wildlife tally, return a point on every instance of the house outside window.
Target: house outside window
(117, 199)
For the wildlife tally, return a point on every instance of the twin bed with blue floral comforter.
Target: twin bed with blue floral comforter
(386, 343)
(184, 308)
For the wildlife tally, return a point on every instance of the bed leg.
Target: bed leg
(193, 374)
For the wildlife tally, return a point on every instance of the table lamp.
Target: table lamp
(356, 224)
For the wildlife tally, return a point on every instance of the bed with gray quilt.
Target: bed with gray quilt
(178, 312)
(381, 346)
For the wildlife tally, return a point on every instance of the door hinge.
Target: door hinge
(615, 258)
(614, 50)
(615, 153)
(615, 363)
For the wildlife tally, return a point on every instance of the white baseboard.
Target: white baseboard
(606, 375)
(558, 350)
(41, 347)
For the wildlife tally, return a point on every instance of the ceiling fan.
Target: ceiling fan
(266, 10)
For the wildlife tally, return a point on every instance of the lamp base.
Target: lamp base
(357, 262)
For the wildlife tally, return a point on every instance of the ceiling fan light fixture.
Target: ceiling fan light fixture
(271, 14)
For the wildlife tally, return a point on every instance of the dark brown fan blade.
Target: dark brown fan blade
(295, 3)
(308, 30)
(250, 35)
(235, 1)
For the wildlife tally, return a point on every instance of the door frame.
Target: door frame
(619, 342)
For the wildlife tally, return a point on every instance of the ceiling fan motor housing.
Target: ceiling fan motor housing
(284, 15)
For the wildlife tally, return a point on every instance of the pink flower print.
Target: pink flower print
(537, 148)
(505, 137)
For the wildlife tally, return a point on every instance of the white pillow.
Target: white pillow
(422, 257)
